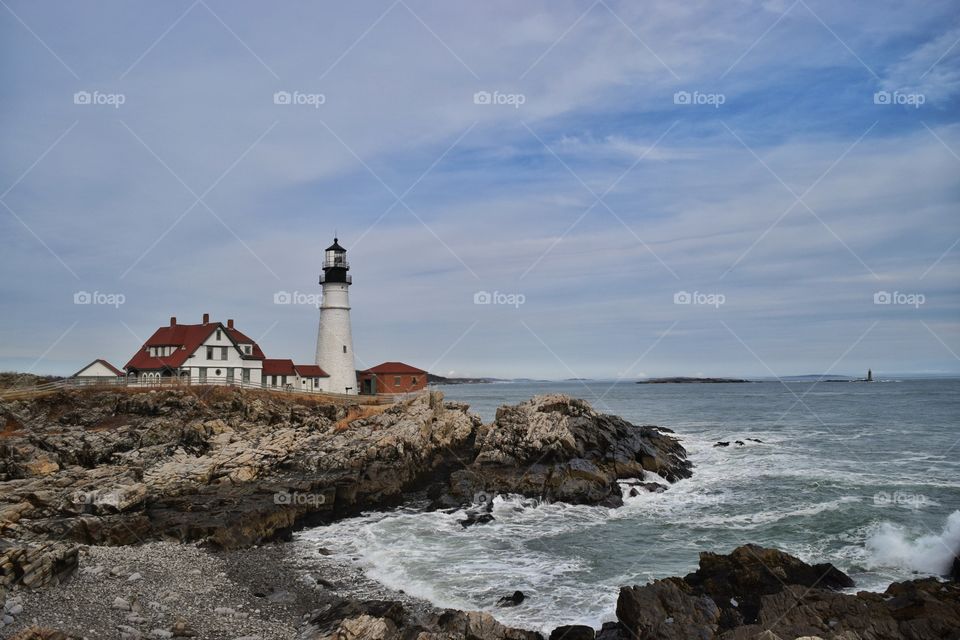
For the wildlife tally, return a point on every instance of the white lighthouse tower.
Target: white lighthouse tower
(334, 338)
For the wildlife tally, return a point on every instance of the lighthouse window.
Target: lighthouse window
(344, 348)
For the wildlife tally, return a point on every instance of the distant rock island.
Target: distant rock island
(433, 378)
(689, 380)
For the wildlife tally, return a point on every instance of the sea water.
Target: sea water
(866, 476)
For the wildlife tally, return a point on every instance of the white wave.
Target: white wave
(891, 545)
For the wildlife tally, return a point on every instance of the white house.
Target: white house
(198, 353)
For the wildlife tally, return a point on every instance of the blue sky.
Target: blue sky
(814, 166)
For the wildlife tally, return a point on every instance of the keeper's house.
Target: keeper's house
(197, 353)
(214, 353)
(391, 377)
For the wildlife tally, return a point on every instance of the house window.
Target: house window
(209, 353)
(229, 374)
(219, 334)
(247, 349)
(203, 374)
(414, 381)
(246, 375)
(223, 353)
(316, 383)
(396, 381)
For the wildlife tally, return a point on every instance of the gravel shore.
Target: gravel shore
(164, 590)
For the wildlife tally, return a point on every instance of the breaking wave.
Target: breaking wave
(894, 546)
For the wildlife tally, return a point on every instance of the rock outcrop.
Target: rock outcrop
(230, 467)
(558, 448)
(757, 593)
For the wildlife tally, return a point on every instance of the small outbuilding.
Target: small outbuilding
(99, 371)
(391, 377)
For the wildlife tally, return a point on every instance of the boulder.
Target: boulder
(558, 448)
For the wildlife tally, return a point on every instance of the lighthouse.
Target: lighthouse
(334, 338)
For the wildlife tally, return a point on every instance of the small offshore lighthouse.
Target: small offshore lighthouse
(334, 337)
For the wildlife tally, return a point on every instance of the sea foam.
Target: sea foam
(892, 546)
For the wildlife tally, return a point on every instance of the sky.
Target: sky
(547, 189)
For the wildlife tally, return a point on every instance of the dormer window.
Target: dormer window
(219, 334)
(247, 349)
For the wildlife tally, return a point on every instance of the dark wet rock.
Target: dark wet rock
(955, 568)
(667, 611)
(739, 443)
(758, 593)
(474, 517)
(573, 632)
(755, 440)
(512, 600)
(722, 444)
(558, 448)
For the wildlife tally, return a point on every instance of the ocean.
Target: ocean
(866, 476)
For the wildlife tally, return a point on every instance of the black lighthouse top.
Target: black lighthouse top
(335, 265)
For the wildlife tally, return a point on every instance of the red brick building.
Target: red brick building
(391, 377)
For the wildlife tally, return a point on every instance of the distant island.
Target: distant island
(684, 380)
(433, 378)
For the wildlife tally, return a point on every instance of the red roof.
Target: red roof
(187, 338)
(278, 367)
(242, 338)
(394, 368)
(311, 371)
(104, 363)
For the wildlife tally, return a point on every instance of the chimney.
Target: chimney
(173, 321)
(230, 323)
(206, 318)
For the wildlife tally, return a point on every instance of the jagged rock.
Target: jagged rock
(558, 448)
(756, 593)
(666, 611)
(35, 565)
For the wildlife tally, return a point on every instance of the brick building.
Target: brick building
(391, 377)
